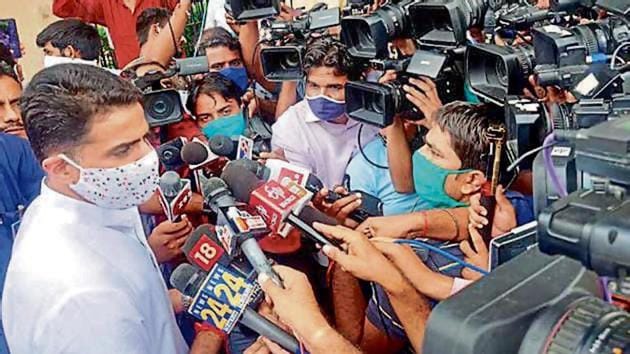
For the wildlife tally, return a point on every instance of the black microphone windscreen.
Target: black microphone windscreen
(187, 279)
(242, 182)
(170, 184)
(260, 170)
(194, 153)
(213, 185)
(223, 146)
(311, 215)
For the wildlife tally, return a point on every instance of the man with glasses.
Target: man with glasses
(316, 133)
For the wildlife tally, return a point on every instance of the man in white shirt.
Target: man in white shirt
(82, 278)
(316, 133)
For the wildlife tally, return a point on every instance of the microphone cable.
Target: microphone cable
(363, 152)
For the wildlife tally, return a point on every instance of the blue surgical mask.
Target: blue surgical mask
(429, 180)
(237, 75)
(326, 108)
(229, 126)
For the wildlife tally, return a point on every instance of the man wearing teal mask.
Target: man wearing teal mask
(217, 105)
(447, 170)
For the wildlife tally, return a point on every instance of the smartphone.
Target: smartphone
(9, 36)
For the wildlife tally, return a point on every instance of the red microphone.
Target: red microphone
(203, 249)
(174, 194)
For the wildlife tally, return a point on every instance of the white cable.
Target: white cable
(615, 53)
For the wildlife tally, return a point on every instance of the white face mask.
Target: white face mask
(119, 187)
(50, 60)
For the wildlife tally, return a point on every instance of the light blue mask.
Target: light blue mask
(229, 126)
(429, 180)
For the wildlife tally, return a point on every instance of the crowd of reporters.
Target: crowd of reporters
(91, 250)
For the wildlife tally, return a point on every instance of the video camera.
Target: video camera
(537, 303)
(247, 10)
(377, 104)
(285, 62)
(163, 106)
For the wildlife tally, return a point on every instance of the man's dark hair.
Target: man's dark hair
(71, 32)
(467, 125)
(219, 37)
(329, 52)
(218, 84)
(7, 63)
(149, 17)
(62, 101)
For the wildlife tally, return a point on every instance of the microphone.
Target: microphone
(202, 250)
(243, 148)
(213, 308)
(281, 170)
(174, 194)
(202, 162)
(273, 200)
(197, 154)
(240, 226)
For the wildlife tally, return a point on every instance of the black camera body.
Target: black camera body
(377, 104)
(285, 62)
(443, 23)
(367, 37)
(246, 10)
(164, 106)
(494, 72)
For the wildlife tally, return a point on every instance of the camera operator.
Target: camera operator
(160, 33)
(69, 41)
(218, 107)
(119, 17)
(316, 133)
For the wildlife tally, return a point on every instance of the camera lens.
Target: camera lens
(291, 61)
(501, 72)
(376, 106)
(587, 325)
(161, 107)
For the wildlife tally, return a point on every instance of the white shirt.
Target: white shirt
(82, 279)
(322, 147)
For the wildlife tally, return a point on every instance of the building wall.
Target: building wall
(31, 16)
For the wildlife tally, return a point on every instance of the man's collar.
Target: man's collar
(94, 214)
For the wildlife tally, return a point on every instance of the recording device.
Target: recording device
(504, 248)
(174, 194)
(496, 71)
(163, 106)
(223, 292)
(367, 36)
(278, 170)
(203, 249)
(377, 104)
(582, 44)
(236, 149)
(284, 62)
(9, 37)
(527, 126)
(537, 303)
(518, 17)
(443, 23)
(169, 154)
(246, 10)
(219, 198)
(202, 162)
(243, 183)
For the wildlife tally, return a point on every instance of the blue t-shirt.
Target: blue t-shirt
(365, 177)
(20, 181)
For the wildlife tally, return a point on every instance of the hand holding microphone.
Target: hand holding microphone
(168, 237)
